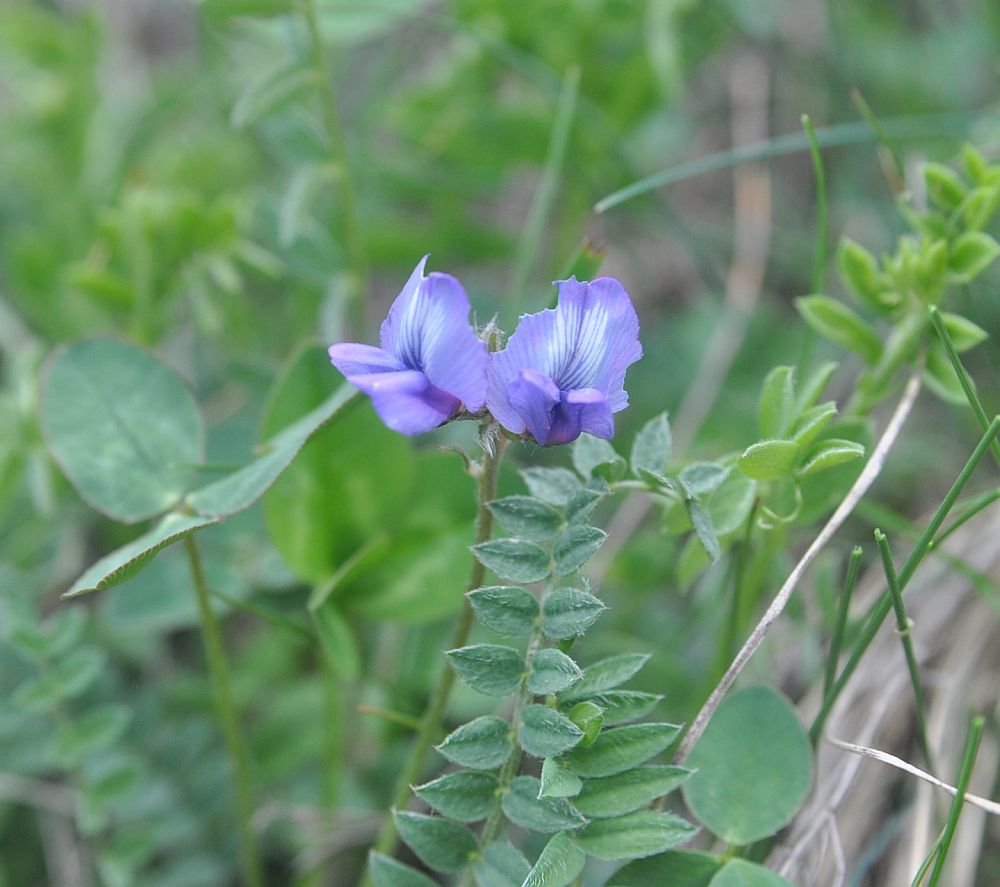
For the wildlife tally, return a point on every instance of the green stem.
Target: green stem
(218, 670)
(837, 639)
(350, 223)
(903, 625)
(963, 376)
(733, 630)
(971, 748)
(819, 256)
(919, 552)
(510, 769)
(486, 474)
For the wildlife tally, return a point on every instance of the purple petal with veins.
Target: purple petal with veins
(583, 348)
(430, 362)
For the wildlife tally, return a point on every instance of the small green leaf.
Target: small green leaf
(506, 609)
(123, 426)
(652, 446)
(622, 706)
(575, 547)
(830, 453)
(742, 873)
(860, 272)
(589, 717)
(514, 559)
(543, 732)
(468, 795)
(337, 641)
(558, 865)
(971, 254)
(387, 872)
(815, 384)
(488, 668)
(606, 674)
(557, 781)
(620, 749)
(838, 323)
(754, 748)
(702, 478)
(95, 731)
(944, 186)
(812, 423)
(702, 523)
(67, 679)
(523, 806)
(729, 506)
(582, 503)
(628, 791)
(441, 844)
(115, 784)
(776, 409)
(552, 671)
(553, 485)
(769, 459)
(634, 835)
(270, 92)
(482, 744)
(125, 562)
(678, 868)
(596, 457)
(569, 612)
(501, 865)
(964, 334)
(527, 518)
(981, 206)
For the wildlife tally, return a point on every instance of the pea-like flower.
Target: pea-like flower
(430, 362)
(563, 370)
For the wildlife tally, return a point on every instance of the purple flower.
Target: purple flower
(563, 370)
(430, 362)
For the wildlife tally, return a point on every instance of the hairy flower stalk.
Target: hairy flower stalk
(486, 473)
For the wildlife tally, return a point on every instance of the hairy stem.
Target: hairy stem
(222, 690)
(486, 474)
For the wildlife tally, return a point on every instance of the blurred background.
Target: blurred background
(231, 183)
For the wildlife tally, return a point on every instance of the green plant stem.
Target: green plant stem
(840, 626)
(819, 256)
(733, 629)
(357, 279)
(976, 505)
(430, 725)
(513, 765)
(218, 670)
(882, 608)
(904, 625)
(878, 130)
(963, 376)
(971, 748)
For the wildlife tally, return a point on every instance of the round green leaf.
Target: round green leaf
(754, 765)
(559, 863)
(468, 795)
(552, 671)
(482, 744)
(568, 612)
(488, 668)
(443, 845)
(741, 873)
(123, 426)
(387, 872)
(506, 609)
(543, 732)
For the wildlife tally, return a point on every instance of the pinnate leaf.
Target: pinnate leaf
(527, 518)
(552, 671)
(543, 732)
(558, 865)
(569, 612)
(488, 668)
(506, 609)
(620, 749)
(635, 835)
(514, 559)
(482, 744)
(441, 844)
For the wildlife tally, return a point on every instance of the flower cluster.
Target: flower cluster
(561, 373)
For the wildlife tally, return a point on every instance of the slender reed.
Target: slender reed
(225, 705)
